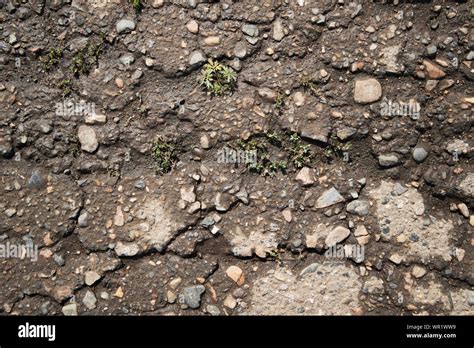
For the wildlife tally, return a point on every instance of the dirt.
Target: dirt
(373, 99)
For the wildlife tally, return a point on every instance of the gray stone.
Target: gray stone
(240, 50)
(88, 139)
(23, 13)
(358, 207)
(59, 260)
(355, 9)
(95, 119)
(328, 198)
(390, 59)
(207, 222)
(104, 295)
(70, 309)
(344, 133)
(388, 160)
(194, 207)
(193, 26)
(38, 6)
(127, 250)
(213, 310)
(137, 74)
(127, 59)
(337, 235)
(204, 141)
(91, 277)
(10, 212)
(78, 44)
(433, 71)
(396, 258)
(470, 297)
(125, 26)
(250, 29)
(187, 194)
(367, 91)
(140, 184)
(419, 154)
(251, 40)
(418, 271)
(457, 146)
(278, 32)
(243, 196)
(89, 300)
(82, 220)
(192, 295)
(309, 269)
(10, 7)
(305, 176)
(317, 130)
(320, 19)
(44, 127)
(362, 181)
(467, 185)
(223, 201)
(463, 209)
(197, 57)
(236, 64)
(56, 4)
(431, 51)
(6, 147)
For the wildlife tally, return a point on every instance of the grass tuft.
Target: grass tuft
(297, 154)
(136, 4)
(52, 58)
(217, 78)
(165, 155)
(336, 148)
(84, 60)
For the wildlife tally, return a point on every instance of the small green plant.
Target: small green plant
(256, 143)
(136, 4)
(275, 255)
(280, 101)
(259, 144)
(52, 58)
(296, 152)
(165, 155)
(336, 148)
(94, 50)
(143, 111)
(274, 138)
(279, 165)
(114, 172)
(85, 59)
(309, 86)
(66, 87)
(217, 78)
(73, 146)
(78, 64)
(300, 154)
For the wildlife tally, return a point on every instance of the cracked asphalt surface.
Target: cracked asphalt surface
(361, 200)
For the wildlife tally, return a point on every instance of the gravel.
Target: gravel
(125, 26)
(192, 295)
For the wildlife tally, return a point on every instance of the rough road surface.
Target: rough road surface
(361, 201)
